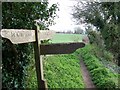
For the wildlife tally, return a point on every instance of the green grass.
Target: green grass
(63, 71)
(60, 71)
(61, 38)
(102, 76)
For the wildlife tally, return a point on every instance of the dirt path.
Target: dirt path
(86, 76)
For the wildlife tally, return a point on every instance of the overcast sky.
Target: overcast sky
(65, 21)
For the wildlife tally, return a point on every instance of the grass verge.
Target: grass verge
(102, 76)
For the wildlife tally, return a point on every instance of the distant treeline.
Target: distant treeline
(72, 32)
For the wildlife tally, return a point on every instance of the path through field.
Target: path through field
(86, 75)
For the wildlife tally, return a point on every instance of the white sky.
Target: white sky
(65, 21)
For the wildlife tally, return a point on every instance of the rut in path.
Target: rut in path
(86, 76)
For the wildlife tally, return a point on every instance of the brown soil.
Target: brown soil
(86, 76)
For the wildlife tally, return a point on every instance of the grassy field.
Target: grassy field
(61, 38)
(61, 71)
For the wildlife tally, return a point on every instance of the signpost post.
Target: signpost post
(38, 62)
(18, 36)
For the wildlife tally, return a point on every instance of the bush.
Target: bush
(96, 38)
(108, 42)
(15, 58)
(93, 63)
(102, 77)
(108, 56)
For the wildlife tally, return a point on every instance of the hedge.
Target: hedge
(102, 77)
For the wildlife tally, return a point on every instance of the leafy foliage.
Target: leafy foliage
(102, 76)
(63, 71)
(31, 78)
(96, 38)
(21, 15)
(105, 16)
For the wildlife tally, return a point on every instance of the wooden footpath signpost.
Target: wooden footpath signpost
(18, 36)
(24, 36)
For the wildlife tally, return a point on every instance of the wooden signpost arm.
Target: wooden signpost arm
(60, 48)
(38, 63)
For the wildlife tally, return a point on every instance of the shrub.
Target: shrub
(102, 77)
(96, 38)
(21, 15)
(108, 56)
(93, 63)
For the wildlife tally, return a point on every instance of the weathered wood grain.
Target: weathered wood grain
(38, 63)
(60, 48)
(17, 36)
